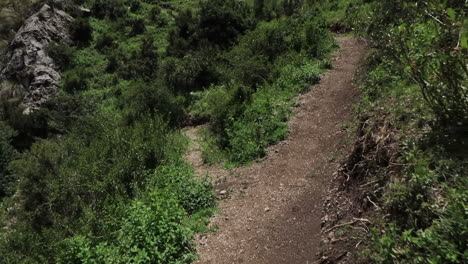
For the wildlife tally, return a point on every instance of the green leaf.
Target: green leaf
(464, 41)
(452, 14)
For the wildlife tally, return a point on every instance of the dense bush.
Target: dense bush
(218, 24)
(429, 218)
(428, 39)
(101, 176)
(75, 80)
(138, 26)
(420, 67)
(62, 54)
(75, 184)
(150, 231)
(141, 99)
(190, 73)
(263, 68)
(112, 9)
(81, 31)
(28, 127)
(106, 41)
(7, 154)
(264, 121)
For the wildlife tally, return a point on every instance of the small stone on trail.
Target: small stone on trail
(267, 209)
(223, 192)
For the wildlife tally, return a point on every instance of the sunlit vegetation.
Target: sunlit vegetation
(416, 85)
(97, 174)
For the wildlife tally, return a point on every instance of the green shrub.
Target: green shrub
(264, 120)
(7, 154)
(139, 100)
(138, 26)
(218, 23)
(156, 16)
(29, 127)
(106, 41)
(190, 73)
(113, 9)
(62, 54)
(430, 48)
(151, 231)
(142, 63)
(317, 38)
(194, 194)
(414, 237)
(81, 31)
(75, 80)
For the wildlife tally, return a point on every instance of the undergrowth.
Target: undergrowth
(407, 93)
(97, 174)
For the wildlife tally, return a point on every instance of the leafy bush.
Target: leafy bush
(417, 42)
(139, 100)
(428, 227)
(432, 49)
(317, 38)
(75, 80)
(151, 231)
(106, 41)
(218, 24)
(7, 154)
(112, 9)
(190, 73)
(264, 120)
(81, 178)
(62, 54)
(29, 128)
(138, 26)
(81, 31)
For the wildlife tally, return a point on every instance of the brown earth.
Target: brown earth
(271, 211)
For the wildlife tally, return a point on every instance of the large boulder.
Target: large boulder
(29, 71)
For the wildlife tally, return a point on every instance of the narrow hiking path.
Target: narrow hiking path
(271, 211)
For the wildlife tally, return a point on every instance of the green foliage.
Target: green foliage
(427, 39)
(138, 26)
(62, 54)
(419, 67)
(7, 154)
(112, 9)
(430, 223)
(81, 31)
(106, 41)
(264, 120)
(194, 195)
(101, 176)
(75, 80)
(218, 24)
(141, 63)
(150, 231)
(28, 127)
(264, 71)
(259, 6)
(190, 73)
(139, 100)
(75, 184)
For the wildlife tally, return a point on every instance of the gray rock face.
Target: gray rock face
(27, 61)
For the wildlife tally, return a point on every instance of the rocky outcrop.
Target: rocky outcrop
(29, 69)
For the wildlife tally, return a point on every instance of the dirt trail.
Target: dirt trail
(272, 212)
